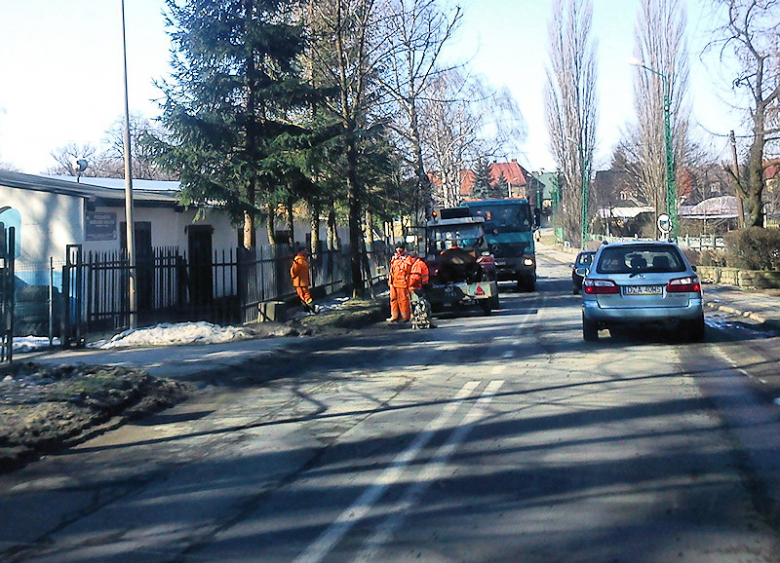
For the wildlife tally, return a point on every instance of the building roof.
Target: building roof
(628, 212)
(723, 207)
(108, 196)
(515, 175)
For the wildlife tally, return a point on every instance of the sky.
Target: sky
(62, 79)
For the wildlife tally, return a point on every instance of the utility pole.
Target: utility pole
(131, 258)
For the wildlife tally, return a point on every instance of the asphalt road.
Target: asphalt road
(500, 438)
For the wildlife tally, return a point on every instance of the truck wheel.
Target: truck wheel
(495, 303)
(590, 331)
(487, 307)
(526, 284)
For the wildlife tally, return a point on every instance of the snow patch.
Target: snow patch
(172, 334)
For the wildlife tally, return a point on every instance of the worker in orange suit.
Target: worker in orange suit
(418, 273)
(400, 307)
(418, 277)
(299, 273)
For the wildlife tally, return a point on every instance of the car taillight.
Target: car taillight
(600, 287)
(684, 285)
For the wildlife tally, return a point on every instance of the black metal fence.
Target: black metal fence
(227, 289)
(7, 290)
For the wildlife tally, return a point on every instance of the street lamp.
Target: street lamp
(585, 196)
(671, 192)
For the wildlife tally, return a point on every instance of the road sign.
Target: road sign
(664, 223)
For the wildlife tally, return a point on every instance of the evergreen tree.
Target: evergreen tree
(500, 188)
(233, 105)
(482, 180)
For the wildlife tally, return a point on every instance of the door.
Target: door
(200, 253)
(144, 261)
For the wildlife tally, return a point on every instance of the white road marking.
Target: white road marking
(429, 474)
(358, 510)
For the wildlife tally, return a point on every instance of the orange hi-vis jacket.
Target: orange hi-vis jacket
(399, 271)
(418, 274)
(299, 272)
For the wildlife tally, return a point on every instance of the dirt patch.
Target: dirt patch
(44, 408)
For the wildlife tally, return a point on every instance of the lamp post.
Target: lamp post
(584, 231)
(131, 286)
(671, 192)
(585, 196)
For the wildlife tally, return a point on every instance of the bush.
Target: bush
(753, 248)
(712, 257)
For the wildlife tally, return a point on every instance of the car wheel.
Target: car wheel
(590, 330)
(694, 330)
(575, 290)
(487, 307)
(496, 304)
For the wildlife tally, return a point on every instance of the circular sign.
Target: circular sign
(664, 223)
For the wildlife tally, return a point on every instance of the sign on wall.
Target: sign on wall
(100, 226)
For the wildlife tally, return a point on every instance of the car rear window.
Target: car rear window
(585, 259)
(628, 260)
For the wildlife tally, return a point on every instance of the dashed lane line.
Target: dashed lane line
(431, 473)
(317, 551)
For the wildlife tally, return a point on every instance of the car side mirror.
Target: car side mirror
(582, 272)
(693, 268)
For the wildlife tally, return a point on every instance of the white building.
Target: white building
(50, 213)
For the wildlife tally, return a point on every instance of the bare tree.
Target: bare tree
(450, 131)
(464, 121)
(749, 44)
(570, 104)
(142, 133)
(109, 163)
(661, 46)
(416, 31)
(67, 157)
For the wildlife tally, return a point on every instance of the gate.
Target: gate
(7, 289)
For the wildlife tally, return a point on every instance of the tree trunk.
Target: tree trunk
(249, 231)
(290, 220)
(369, 229)
(315, 228)
(270, 225)
(333, 233)
(353, 197)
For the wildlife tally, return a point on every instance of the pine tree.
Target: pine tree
(482, 180)
(500, 188)
(234, 103)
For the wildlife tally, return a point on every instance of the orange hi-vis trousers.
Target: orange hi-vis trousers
(303, 294)
(399, 303)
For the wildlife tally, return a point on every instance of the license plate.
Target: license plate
(643, 290)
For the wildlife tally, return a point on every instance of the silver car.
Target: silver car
(642, 283)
